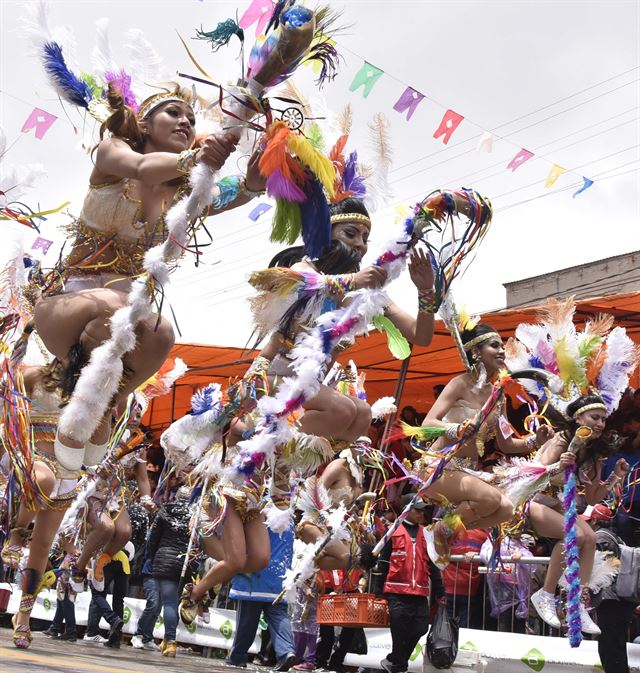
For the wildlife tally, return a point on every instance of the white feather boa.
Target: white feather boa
(100, 378)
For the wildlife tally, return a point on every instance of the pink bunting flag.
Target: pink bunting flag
(517, 161)
(259, 210)
(366, 78)
(41, 244)
(448, 125)
(409, 101)
(260, 11)
(40, 120)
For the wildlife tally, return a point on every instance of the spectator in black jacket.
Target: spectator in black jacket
(168, 542)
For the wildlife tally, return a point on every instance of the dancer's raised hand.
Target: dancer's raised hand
(215, 150)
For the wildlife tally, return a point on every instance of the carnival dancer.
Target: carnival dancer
(139, 171)
(45, 493)
(478, 504)
(593, 365)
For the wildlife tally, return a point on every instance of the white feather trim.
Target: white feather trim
(278, 520)
(605, 570)
(383, 407)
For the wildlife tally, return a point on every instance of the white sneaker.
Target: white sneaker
(136, 643)
(545, 605)
(150, 646)
(587, 625)
(95, 639)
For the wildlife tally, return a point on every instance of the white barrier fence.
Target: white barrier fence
(481, 651)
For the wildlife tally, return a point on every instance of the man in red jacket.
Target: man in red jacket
(407, 577)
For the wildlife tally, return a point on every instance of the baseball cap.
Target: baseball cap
(420, 504)
(597, 512)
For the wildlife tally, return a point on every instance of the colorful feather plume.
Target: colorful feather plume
(221, 35)
(67, 85)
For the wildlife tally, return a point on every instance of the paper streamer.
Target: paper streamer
(260, 209)
(408, 101)
(259, 11)
(485, 144)
(585, 185)
(517, 161)
(366, 77)
(40, 120)
(448, 125)
(554, 173)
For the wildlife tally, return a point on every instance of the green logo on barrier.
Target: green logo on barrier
(599, 665)
(262, 624)
(534, 659)
(417, 651)
(226, 629)
(191, 628)
(47, 604)
(126, 615)
(159, 622)
(469, 646)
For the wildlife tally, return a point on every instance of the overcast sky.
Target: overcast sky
(560, 76)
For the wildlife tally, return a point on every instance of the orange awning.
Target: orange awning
(435, 364)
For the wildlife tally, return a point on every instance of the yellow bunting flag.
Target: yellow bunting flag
(554, 173)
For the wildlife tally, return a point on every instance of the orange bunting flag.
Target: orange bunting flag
(554, 173)
(517, 161)
(448, 125)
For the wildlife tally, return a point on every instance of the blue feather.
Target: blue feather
(316, 219)
(206, 399)
(68, 86)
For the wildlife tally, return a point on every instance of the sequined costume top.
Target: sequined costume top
(109, 235)
(44, 414)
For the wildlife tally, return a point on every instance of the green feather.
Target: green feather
(588, 345)
(90, 81)
(398, 345)
(315, 136)
(287, 222)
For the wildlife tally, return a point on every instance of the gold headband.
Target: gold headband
(153, 102)
(588, 407)
(479, 339)
(351, 217)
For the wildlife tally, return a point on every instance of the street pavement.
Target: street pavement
(55, 656)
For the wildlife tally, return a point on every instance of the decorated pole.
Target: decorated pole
(572, 552)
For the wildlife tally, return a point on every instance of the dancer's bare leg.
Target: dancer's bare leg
(44, 532)
(547, 522)
(66, 319)
(121, 533)
(332, 415)
(243, 547)
(335, 556)
(102, 530)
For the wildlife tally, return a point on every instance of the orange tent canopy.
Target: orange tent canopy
(429, 366)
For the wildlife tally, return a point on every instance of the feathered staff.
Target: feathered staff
(572, 553)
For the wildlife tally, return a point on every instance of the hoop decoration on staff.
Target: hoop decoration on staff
(104, 369)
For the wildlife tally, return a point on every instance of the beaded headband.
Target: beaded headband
(147, 108)
(351, 217)
(479, 339)
(588, 407)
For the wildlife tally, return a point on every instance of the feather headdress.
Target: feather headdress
(595, 360)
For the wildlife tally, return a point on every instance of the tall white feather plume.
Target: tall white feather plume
(102, 59)
(144, 63)
(379, 191)
(17, 181)
(620, 361)
(35, 24)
